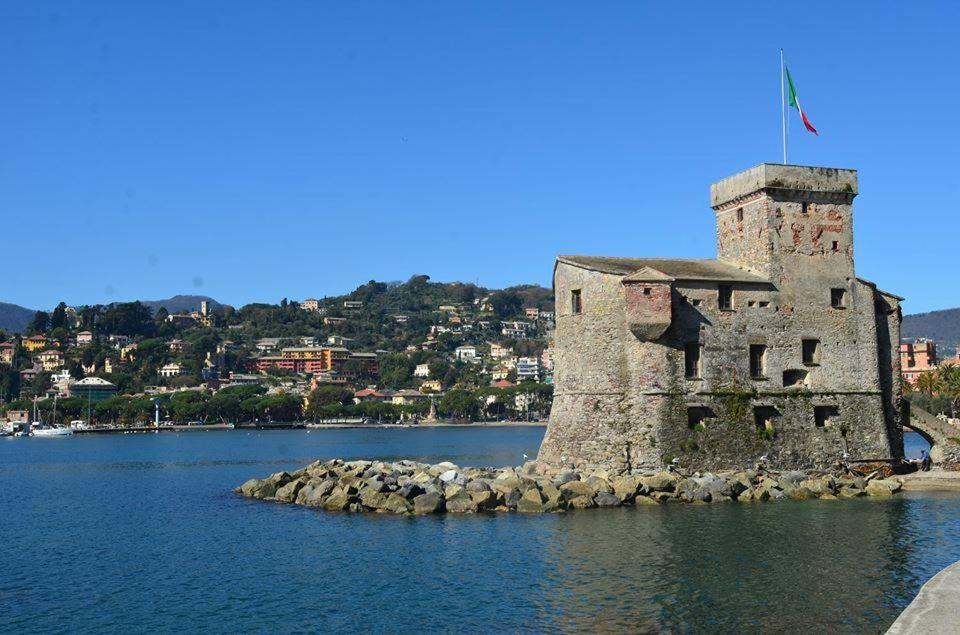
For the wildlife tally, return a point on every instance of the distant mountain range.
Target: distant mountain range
(941, 326)
(14, 318)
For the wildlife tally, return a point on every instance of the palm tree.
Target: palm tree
(949, 384)
(930, 383)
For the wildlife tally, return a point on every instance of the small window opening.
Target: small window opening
(835, 245)
(739, 214)
(758, 361)
(576, 302)
(697, 302)
(838, 298)
(811, 352)
(764, 304)
(725, 297)
(751, 303)
(697, 417)
(764, 417)
(646, 291)
(794, 378)
(803, 209)
(822, 415)
(692, 360)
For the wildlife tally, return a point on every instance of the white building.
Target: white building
(498, 351)
(172, 370)
(466, 353)
(422, 370)
(528, 368)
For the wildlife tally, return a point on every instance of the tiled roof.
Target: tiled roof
(678, 268)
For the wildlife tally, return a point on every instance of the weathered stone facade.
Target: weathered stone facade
(773, 349)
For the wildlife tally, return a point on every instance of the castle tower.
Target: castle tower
(784, 221)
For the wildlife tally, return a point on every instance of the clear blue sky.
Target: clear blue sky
(257, 150)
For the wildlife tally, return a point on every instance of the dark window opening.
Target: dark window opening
(576, 302)
(697, 416)
(764, 417)
(803, 209)
(691, 360)
(697, 302)
(758, 361)
(822, 415)
(751, 303)
(838, 298)
(836, 245)
(793, 378)
(739, 214)
(646, 291)
(764, 304)
(725, 297)
(810, 350)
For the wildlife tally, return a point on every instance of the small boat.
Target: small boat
(39, 430)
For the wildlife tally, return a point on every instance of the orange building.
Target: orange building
(917, 358)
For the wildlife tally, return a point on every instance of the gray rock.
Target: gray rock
(659, 482)
(565, 476)
(449, 476)
(288, 493)
(430, 503)
(606, 499)
(461, 503)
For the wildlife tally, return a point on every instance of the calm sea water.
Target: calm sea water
(141, 533)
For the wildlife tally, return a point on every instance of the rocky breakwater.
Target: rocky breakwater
(409, 487)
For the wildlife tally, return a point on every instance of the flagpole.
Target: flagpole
(783, 110)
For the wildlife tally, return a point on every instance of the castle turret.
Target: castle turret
(787, 221)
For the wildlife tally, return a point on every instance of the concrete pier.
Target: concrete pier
(936, 609)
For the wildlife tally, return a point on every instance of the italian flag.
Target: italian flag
(795, 103)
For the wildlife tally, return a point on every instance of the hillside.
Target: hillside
(14, 318)
(181, 303)
(942, 326)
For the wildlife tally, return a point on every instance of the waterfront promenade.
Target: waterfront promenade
(936, 608)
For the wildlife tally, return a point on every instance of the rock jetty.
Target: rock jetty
(409, 487)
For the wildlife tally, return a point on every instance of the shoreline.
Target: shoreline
(309, 426)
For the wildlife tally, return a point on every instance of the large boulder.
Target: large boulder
(575, 489)
(659, 482)
(606, 499)
(461, 503)
(883, 487)
(565, 476)
(626, 487)
(532, 501)
(397, 504)
(338, 500)
(431, 503)
(599, 484)
(485, 500)
(373, 499)
(288, 493)
(313, 493)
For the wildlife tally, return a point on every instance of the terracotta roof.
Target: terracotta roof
(502, 383)
(677, 268)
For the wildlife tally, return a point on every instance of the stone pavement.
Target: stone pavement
(936, 609)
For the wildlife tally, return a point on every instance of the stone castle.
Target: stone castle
(774, 349)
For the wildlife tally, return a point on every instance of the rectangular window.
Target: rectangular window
(822, 415)
(697, 416)
(804, 209)
(691, 360)
(576, 302)
(764, 418)
(794, 378)
(646, 291)
(836, 245)
(739, 214)
(763, 304)
(838, 298)
(725, 297)
(811, 352)
(758, 361)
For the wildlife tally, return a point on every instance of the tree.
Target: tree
(40, 322)
(506, 304)
(459, 404)
(127, 318)
(929, 383)
(58, 320)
